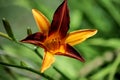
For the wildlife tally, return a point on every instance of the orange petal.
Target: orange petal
(47, 61)
(79, 36)
(42, 22)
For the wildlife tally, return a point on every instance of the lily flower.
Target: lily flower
(54, 39)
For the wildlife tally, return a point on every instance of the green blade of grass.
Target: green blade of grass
(114, 67)
(101, 74)
(111, 9)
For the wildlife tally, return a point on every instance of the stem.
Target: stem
(5, 36)
(26, 68)
(36, 51)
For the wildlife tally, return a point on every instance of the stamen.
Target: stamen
(53, 45)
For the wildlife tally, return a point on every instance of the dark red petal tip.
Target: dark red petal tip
(71, 52)
(35, 37)
(61, 20)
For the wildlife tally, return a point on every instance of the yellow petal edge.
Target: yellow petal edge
(42, 22)
(79, 36)
(47, 61)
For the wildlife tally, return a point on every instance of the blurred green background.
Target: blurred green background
(101, 52)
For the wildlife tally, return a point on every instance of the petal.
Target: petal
(36, 39)
(42, 22)
(79, 36)
(71, 52)
(61, 20)
(47, 61)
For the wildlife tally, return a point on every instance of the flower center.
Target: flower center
(53, 44)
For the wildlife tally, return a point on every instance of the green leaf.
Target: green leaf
(8, 29)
